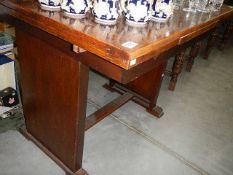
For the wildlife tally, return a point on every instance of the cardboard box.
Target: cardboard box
(7, 72)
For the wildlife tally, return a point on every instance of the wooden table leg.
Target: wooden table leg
(54, 86)
(192, 55)
(145, 88)
(210, 44)
(1, 27)
(226, 34)
(176, 69)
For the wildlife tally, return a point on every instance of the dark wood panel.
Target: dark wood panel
(54, 98)
(148, 85)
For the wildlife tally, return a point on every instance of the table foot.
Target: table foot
(79, 172)
(172, 85)
(67, 170)
(156, 111)
(189, 67)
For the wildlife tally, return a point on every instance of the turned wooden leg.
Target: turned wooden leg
(1, 27)
(176, 69)
(210, 43)
(226, 35)
(192, 55)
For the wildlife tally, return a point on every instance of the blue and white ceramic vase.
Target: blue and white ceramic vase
(162, 10)
(75, 8)
(137, 12)
(106, 11)
(53, 5)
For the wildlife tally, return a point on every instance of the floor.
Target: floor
(195, 135)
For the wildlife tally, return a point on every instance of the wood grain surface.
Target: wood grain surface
(54, 87)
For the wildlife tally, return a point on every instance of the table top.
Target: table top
(120, 44)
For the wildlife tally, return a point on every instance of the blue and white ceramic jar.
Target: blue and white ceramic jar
(106, 11)
(53, 5)
(137, 12)
(162, 10)
(75, 8)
